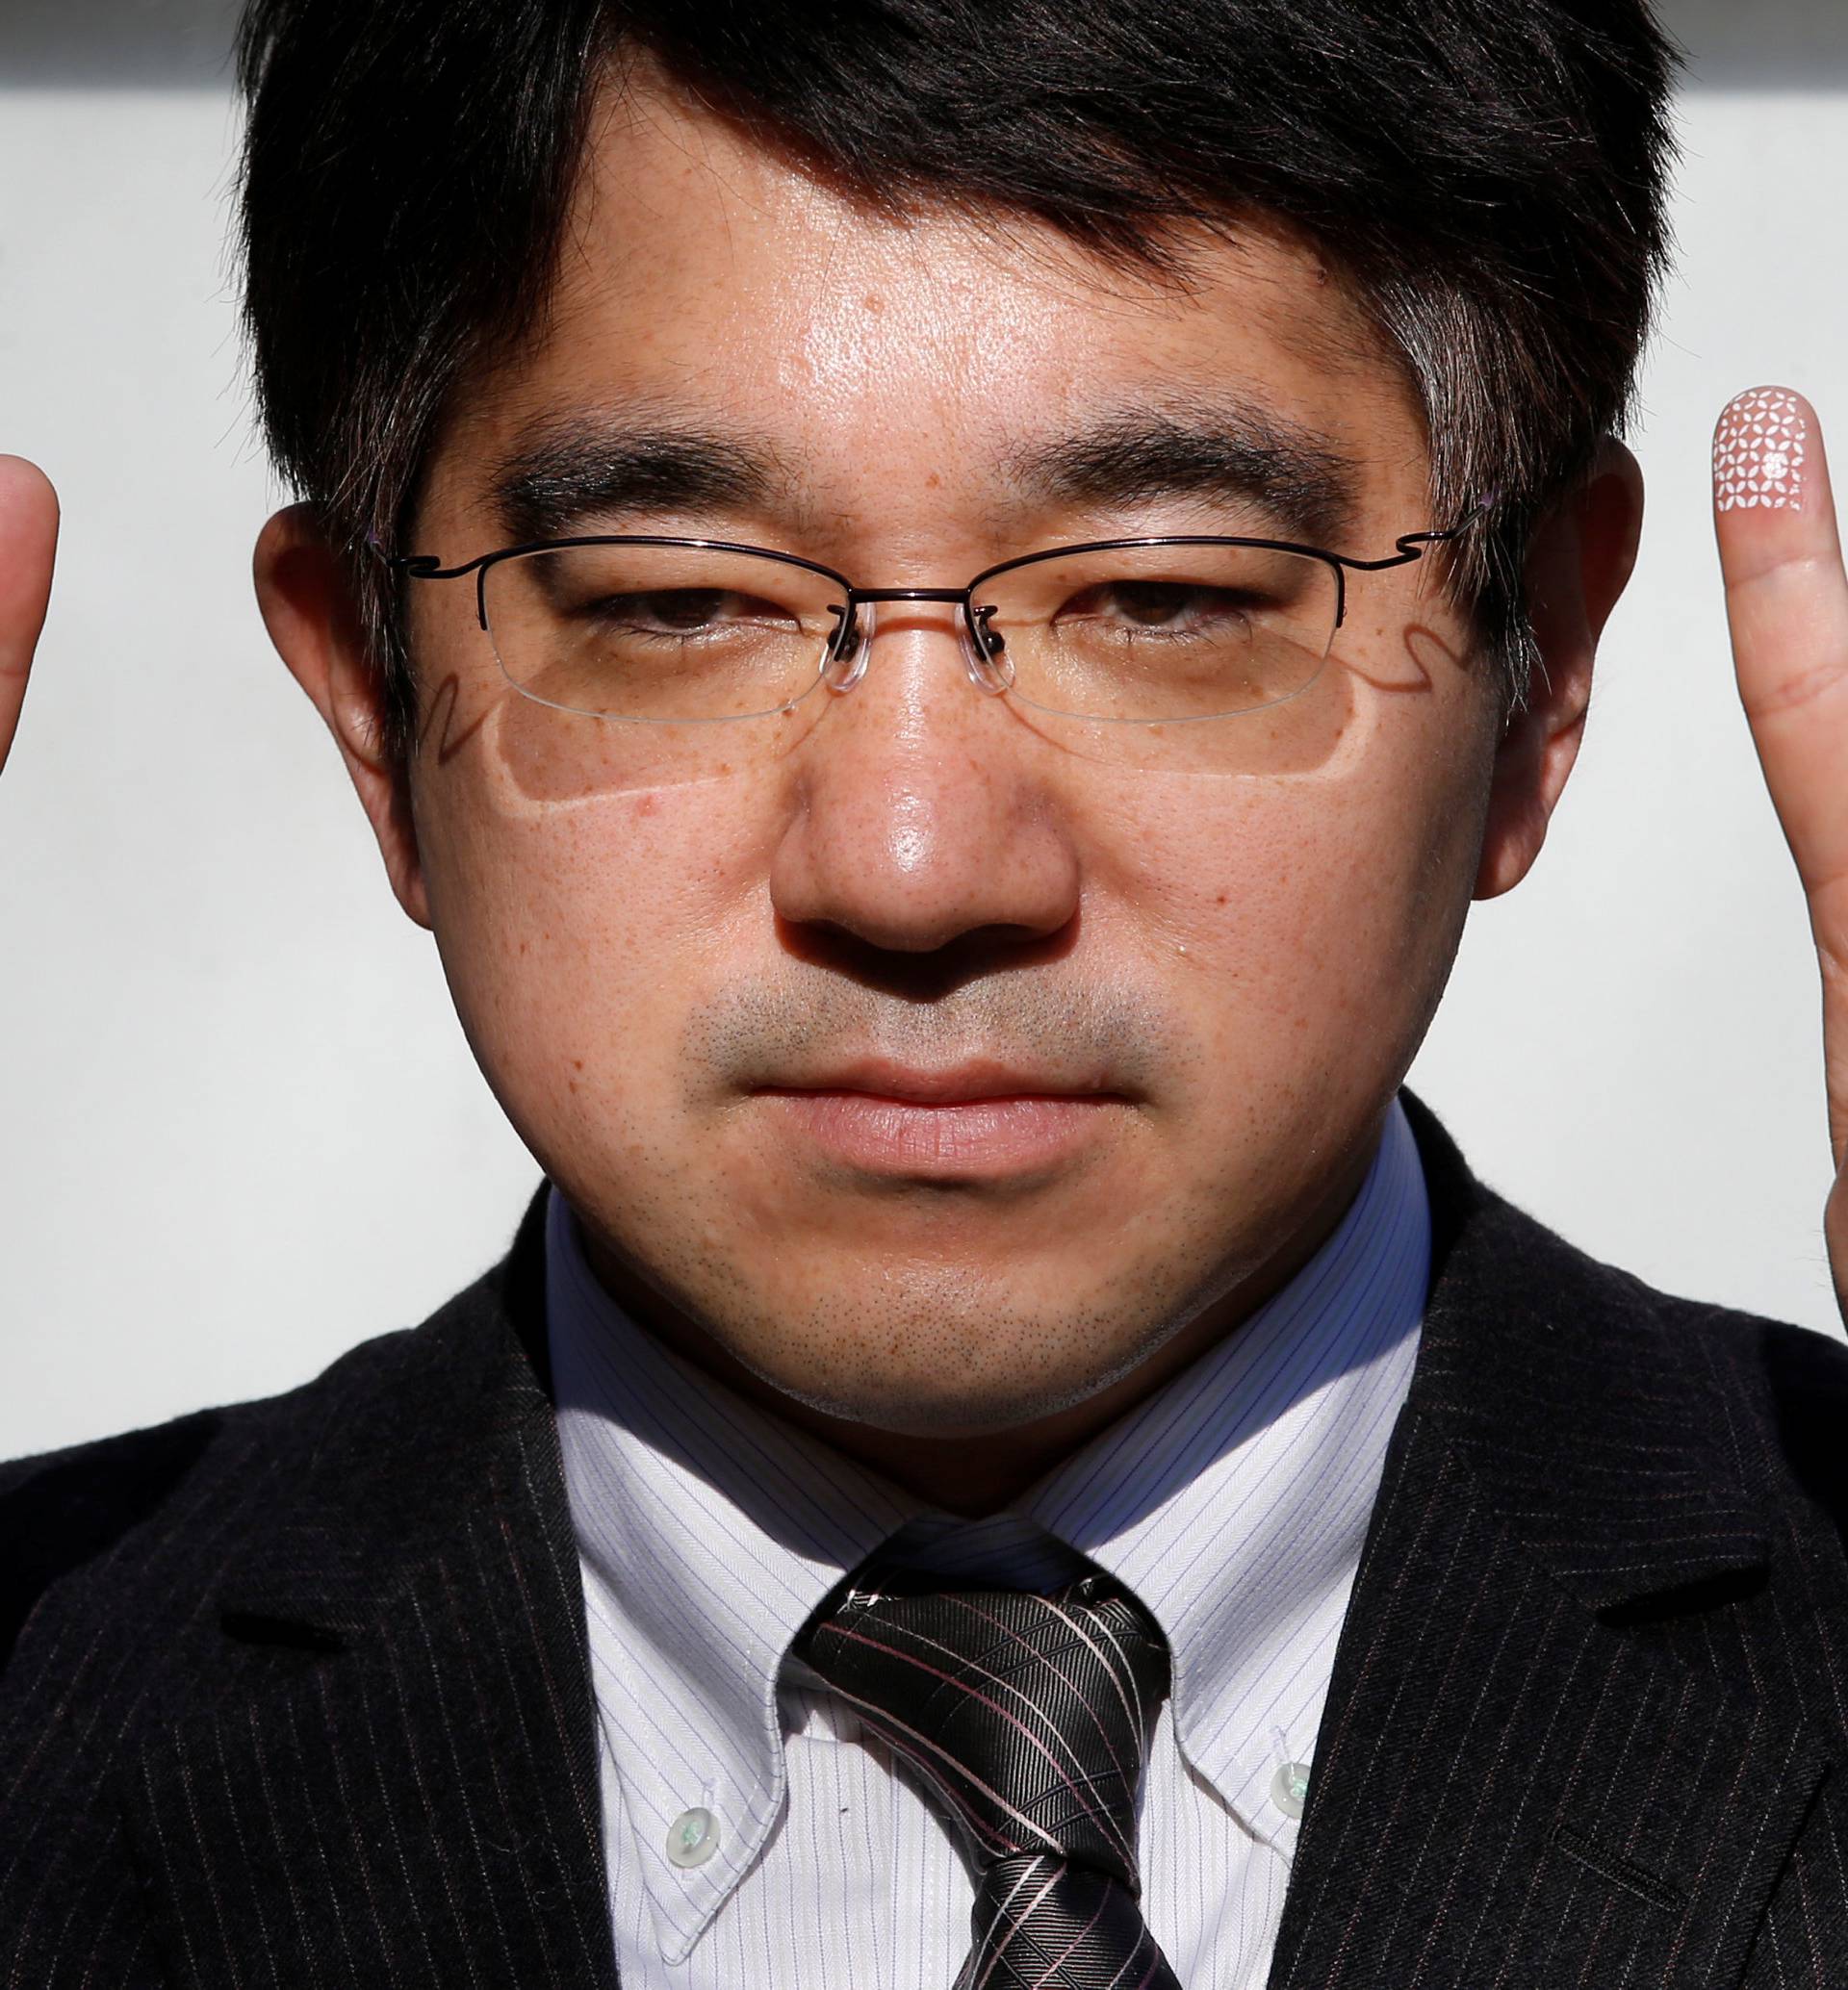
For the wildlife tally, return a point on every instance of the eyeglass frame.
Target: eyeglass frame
(1409, 547)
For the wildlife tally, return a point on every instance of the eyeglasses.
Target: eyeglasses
(1118, 636)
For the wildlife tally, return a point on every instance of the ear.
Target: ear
(1579, 560)
(309, 610)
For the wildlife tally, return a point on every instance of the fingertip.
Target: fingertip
(26, 494)
(1767, 452)
(1749, 399)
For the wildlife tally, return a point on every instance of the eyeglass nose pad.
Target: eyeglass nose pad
(985, 653)
(843, 663)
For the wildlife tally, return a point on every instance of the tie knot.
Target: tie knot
(1031, 1715)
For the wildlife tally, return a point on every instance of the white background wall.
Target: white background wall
(239, 1127)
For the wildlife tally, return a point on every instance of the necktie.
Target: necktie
(1030, 1716)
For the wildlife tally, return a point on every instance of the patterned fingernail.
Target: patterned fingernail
(1759, 453)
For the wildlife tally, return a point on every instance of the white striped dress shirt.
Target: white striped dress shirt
(1233, 1504)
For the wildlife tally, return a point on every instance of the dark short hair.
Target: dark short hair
(1489, 174)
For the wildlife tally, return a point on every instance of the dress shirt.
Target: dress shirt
(1233, 1504)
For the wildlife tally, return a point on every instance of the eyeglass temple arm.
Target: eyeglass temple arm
(419, 566)
(1412, 546)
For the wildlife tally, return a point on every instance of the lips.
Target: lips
(980, 1118)
(968, 1083)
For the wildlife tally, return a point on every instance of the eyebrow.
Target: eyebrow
(1226, 450)
(578, 470)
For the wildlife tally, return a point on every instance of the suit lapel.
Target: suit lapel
(1510, 1790)
(388, 1775)
(1515, 1782)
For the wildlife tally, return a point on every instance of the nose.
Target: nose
(922, 812)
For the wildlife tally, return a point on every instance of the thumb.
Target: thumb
(28, 544)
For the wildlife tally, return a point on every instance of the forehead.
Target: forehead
(710, 280)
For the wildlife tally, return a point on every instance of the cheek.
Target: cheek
(1306, 908)
(576, 937)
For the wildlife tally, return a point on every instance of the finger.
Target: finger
(28, 545)
(1786, 601)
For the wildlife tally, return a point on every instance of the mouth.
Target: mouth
(975, 1121)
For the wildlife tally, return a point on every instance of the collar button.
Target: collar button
(692, 1838)
(1290, 1788)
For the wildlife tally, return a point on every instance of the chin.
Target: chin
(940, 1344)
(931, 1373)
(933, 1408)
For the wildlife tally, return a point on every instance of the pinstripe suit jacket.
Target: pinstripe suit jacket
(297, 1695)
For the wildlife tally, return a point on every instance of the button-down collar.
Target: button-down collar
(1233, 1502)
(708, 1532)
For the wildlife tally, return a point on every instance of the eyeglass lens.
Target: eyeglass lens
(1132, 644)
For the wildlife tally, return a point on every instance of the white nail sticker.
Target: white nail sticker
(1759, 453)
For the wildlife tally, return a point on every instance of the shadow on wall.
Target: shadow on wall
(185, 43)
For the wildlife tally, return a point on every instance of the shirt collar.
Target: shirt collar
(708, 1532)
(1235, 1501)
(1233, 1504)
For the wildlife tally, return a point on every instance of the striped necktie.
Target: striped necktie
(1030, 1716)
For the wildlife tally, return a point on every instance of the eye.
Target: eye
(1160, 607)
(685, 611)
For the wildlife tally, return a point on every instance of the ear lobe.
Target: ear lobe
(1579, 560)
(309, 610)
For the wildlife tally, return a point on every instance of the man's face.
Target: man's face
(938, 1064)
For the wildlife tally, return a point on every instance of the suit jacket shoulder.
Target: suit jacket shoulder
(118, 1538)
(1660, 1452)
(1790, 1385)
(99, 1531)
(1587, 1707)
(171, 1602)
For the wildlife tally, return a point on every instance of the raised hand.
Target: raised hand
(28, 544)
(1786, 599)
